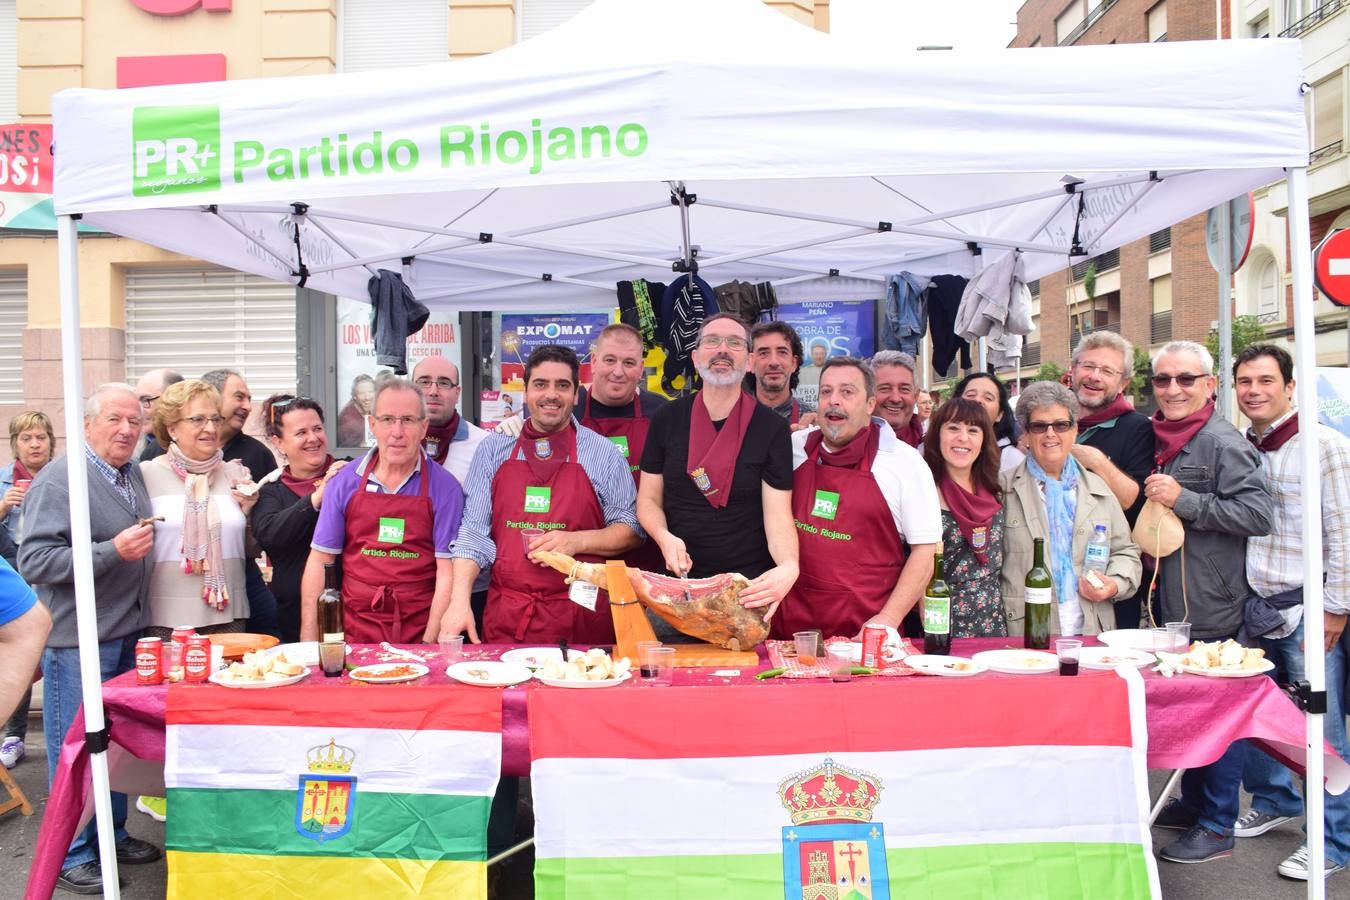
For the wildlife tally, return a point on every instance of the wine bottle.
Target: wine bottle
(332, 638)
(1040, 594)
(937, 612)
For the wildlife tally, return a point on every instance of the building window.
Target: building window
(372, 37)
(1328, 116)
(13, 320)
(1160, 325)
(1268, 290)
(1260, 28)
(534, 17)
(1157, 23)
(9, 62)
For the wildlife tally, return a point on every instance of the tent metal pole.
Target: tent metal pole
(783, 248)
(289, 264)
(1314, 659)
(342, 244)
(82, 548)
(400, 253)
(677, 190)
(1226, 312)
(844, 273)
(1120, 213)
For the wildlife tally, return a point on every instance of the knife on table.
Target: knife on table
(684, 582)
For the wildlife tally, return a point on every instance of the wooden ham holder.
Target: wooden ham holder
(631, 626)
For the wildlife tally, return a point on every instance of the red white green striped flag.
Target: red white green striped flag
(1018, 787)
(318, 791)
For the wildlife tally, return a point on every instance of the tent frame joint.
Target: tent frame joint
(1307, 699)
(834, 273)
(883, 227)
(547, 276)
(974, 248)
(97, 741)
(484, 237)
(298, 211)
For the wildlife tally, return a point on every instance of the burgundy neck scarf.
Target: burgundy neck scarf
(1276, 437)
(303, 487)
(21, 471)
(712, 453)
(856, 454)
(546, 451)
(1172, 436)
(440, 436)
(1113, 410)
(974, 513)
(912, 433)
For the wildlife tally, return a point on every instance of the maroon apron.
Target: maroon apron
(528, 602)
(630, 435)
(388, 564)
(843, 582)
(796, 413)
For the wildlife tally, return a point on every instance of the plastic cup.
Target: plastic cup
(1180, 633)
(840, 657)
(1162, 640)
(644, 658)
(663, 665)
(452, 648)
(1068, 650)
(807, 647)
(529, 534)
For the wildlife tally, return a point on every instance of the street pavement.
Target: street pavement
(1248, 875)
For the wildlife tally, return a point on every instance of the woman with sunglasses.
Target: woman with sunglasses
(990, 392)
(288, 509)
(960, 449)
(1050, 496)
(201, 527)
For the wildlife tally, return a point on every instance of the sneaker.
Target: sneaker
(12, 751)
(156, 808)
(136, 852)
(1176, 815)
(86, 878)
(1296, 865)
(1198, 845)
(1254, 823)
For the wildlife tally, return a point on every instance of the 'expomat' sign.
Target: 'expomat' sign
(178, 149)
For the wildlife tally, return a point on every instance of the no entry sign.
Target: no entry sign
(1331, 267)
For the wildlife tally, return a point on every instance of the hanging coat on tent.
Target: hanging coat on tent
(906, 315)
(688, 300)
(395, 314)
(996, 306)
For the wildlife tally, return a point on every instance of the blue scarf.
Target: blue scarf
(1061, 502)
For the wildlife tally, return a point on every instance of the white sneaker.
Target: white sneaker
(1296, 865)
(12, 751)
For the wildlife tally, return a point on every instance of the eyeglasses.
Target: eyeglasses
(200, 422)
(1186, 381)
(1104, 371)
(280, 405)
(444, 384)
(390, 421)
(148, 401)
(1060, 427)
(713, 341)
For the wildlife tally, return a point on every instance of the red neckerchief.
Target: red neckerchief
(303, 487)
(712, 453)
(854, 455)
(1274, 439)
(1172, 436)
(442, 435)
(21, 471)
(546, 451)
(1113, 410)
(974, 513)
(912, 433)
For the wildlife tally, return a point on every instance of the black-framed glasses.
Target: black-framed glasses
(1186, 381)
(1062, 426)
(444, 384)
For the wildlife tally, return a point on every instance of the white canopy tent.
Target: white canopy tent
(646, 134)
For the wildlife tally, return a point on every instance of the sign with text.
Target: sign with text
(521, 334)
(358, 374)
(829, 328)
(26, 176)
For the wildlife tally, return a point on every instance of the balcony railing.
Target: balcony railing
(1326, 152)
(1031, 355)
(1106, 261)
(1034, 287)
(1113, 327)
(1325, 10)
(1160, 328)
(1094, 15)
(1160, 240)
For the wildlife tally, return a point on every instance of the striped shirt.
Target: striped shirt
(119, 478)
(1275, 561)
(601, 459)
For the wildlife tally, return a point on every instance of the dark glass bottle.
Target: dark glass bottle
(1040, 594)
(332, 638)
(937, 612)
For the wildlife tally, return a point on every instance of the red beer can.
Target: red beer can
(197, 658)
(149, 660)
(874, 638)
(177, 644)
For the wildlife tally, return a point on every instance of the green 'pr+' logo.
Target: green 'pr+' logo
(175, 150)
(826, 505)
(620, 441)
(538, 499)
(391, 531)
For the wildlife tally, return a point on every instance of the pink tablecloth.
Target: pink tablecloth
(1191, 720)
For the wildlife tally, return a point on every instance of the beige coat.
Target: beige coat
(1024, 512)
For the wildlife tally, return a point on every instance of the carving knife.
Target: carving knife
(684, 582)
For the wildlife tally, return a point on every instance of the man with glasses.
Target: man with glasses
(558, 486)
(1114, 441)
(1212, 479)
(716, 491)
(392, 517)
(122, 539)
(451, 439)
(148, 388)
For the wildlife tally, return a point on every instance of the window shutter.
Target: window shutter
(377, 34)
(13, 320)
(9, 62)
(538, 16)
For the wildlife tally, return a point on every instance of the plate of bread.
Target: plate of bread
(1227, 659)
(260, 669)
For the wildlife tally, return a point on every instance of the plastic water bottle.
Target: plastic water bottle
(1098, 551)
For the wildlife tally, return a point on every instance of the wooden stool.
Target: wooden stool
(16, 800)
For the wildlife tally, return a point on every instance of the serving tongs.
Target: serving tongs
(402, 654)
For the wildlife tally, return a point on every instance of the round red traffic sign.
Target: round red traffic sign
(1331, 267)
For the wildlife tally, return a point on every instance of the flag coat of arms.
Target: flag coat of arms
(312, 791)
(1005, 787)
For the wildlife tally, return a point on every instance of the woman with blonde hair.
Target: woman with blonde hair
(201, 529)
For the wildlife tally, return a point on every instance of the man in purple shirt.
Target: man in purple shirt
(391, 517)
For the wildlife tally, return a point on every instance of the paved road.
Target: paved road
(1248, 875)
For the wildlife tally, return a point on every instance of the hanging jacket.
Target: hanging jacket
(394, 315)
(996, 305)
(944, 300)
(640, 306)
(687, 301)
(906, 315)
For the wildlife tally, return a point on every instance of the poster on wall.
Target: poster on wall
(522, 333)
(829, 328)
(1333, 398)
(26, 177)
(357, 373)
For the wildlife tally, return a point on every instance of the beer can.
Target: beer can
(149, 660)
(197, 658)
(874, 638)
(177, 643)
